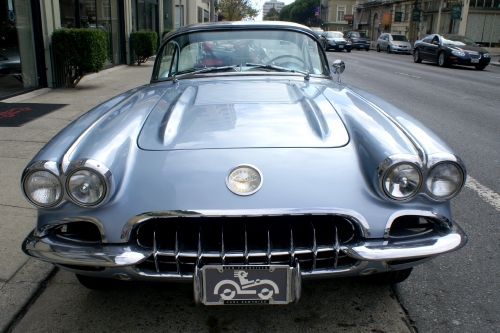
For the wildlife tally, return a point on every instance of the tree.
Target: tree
(237, 10)
(272, 15)
(300, 11)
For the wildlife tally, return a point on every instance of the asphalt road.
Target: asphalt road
(457, 292)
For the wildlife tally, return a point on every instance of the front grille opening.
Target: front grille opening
(404, 261)
(411, 226)
(180, 242)
(81, 232)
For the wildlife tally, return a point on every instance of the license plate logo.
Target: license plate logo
(246, 284)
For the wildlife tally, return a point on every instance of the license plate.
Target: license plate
(233, 285)
(474, 61)
(341, 46)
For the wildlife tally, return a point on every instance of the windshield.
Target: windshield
(399, 38)
(334, 34)
(457, 41)
(356, 34)
(240, 50)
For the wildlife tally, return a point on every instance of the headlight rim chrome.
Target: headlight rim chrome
(97, 168)
(453, 194)
(47, 166)
(390, 169)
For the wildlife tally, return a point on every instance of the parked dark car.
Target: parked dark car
(358, 40)
(334, 40)
(449, 49)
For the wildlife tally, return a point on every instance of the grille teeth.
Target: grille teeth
(178, 243)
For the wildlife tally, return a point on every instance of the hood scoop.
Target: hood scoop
(243, 115)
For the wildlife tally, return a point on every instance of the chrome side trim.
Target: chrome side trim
(409, 248)
(444, 221)
(346, 213)
(98, 255)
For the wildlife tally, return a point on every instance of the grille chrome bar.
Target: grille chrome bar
(177, 244)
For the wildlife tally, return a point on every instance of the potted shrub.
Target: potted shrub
(144, 44)
(81, 51)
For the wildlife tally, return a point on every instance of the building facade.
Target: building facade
(334, 15)
(26, 57)
(272, 4)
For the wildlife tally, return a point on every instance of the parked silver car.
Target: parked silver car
(393, 43)
(244, 167)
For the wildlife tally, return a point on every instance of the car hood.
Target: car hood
(242, 114)
(337, 39)
(468, 48)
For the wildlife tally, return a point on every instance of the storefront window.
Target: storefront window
(17, 60)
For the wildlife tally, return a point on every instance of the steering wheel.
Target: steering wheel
(286, 56)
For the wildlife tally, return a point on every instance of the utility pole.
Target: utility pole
(212, 10)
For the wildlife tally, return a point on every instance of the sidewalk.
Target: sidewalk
(20, 276)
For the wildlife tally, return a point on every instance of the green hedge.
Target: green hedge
(144, 43)
(81, 51)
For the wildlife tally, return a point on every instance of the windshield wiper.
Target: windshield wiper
(279, 68)
(202, 70)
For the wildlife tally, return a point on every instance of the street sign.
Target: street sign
(456, 12)
(316, 11)
(416, 15)
(348, 17)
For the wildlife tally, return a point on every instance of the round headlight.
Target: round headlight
(402, 181)
(43, 188)
(86, 187)
(444, 180)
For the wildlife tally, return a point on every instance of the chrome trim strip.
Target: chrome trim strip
(444, 221)
(99, 255)
(408, 249)
(346, 213)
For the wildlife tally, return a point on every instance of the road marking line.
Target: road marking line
(485, 193)
(416, 77)
(496, 77)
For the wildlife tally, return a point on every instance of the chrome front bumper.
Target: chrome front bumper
(52, 249)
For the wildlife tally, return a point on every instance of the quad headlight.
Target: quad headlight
(402, 181)
(86, 187)
(86, 183)
(444, 180)
(43, 188)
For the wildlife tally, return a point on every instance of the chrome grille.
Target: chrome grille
(474, 55)
(179, 243)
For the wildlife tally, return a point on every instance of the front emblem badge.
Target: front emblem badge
(244, 180)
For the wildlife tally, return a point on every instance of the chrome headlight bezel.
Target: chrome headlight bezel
(388, 174)
(42, 166)
(95, 167)
(458, 53)
(455, 192)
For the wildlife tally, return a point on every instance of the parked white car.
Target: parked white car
(393, 43)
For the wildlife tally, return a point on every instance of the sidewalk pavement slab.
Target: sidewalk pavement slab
(20, 276)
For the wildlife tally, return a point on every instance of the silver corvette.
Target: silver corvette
(243, 167)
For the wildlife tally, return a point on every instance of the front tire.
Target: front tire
(480, 67)
(391, 277)
(388, 49)
(378, 48)
(416, 57)
(442, 62)
(368, 49)
(348, 50)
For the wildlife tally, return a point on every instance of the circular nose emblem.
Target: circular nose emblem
(244, 180)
